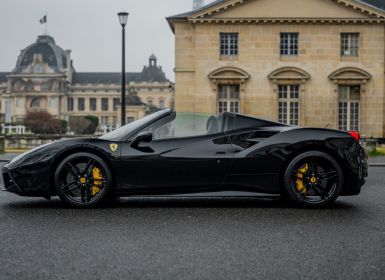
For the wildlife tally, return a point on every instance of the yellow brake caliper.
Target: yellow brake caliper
(299, 183)
(97, 175)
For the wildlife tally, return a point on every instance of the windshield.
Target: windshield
(127, 130)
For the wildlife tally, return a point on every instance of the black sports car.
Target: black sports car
(169, 153)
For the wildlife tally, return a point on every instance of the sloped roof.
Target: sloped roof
(185, 15)
(377, 4)
(149, 74)
(102, 78)
(134, 100)
(374, 3)
(3, 77)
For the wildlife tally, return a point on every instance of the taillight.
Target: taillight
(355, 135)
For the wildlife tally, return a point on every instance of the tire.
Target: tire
(83, 180)
(313, 179)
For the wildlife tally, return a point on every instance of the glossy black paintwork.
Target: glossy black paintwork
(248, 159)
(178, 163)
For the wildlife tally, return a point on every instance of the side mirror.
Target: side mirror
(145, 137)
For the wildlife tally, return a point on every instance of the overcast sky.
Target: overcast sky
(90, 28)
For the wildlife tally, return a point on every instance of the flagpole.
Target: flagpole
(46, 23)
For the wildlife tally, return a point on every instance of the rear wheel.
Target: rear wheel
(83, 180)
(313, 179)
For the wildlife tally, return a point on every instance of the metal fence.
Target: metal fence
(22, 130)
(103, 129)
(14, 129)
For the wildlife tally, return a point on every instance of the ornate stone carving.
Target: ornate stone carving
(228, 75)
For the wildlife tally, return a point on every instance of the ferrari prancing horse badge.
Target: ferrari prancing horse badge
(114, 147)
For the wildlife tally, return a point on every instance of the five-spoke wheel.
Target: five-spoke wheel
(83, 180)
(313, 179)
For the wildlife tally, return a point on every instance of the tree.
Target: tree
(84, 125)
(44, 123)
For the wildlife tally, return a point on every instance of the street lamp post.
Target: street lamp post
(123, 21)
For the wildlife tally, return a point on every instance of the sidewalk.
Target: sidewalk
(377, 161)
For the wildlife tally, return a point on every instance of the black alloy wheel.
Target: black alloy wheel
(83, 180)
(313, 179)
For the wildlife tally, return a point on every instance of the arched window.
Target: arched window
(228, 98)
(289, 84)
(161, 104)
(35, 103)
(350, 85)
(228, 82)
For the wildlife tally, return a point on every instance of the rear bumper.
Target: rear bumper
(355, 176)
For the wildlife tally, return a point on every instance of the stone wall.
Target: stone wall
(26, 142)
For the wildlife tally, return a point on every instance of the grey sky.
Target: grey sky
(91, 30)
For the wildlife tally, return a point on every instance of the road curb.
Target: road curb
(377, 164)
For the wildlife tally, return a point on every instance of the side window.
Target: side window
(184, 125)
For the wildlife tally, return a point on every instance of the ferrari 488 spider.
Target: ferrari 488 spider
(169, 153)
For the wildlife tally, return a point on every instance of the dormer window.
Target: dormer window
(153, 60)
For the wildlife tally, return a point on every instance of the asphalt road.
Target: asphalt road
(169, 238)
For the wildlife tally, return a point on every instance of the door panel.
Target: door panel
(254, 169)
(177, 163)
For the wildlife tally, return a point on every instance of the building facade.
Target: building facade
(314, 63)
(45, 80)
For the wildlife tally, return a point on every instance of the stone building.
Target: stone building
(45, 80)
(314, 63)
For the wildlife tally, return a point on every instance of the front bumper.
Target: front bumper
(27, 180)
(10, 184)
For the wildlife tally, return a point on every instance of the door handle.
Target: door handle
(220, 153)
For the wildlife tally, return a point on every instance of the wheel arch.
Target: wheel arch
(308, 148)
(80, 149)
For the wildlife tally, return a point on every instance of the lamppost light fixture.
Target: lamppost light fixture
(123, 21)
(123, 18)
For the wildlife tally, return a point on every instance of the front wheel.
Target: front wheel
(313, 179)
(83, 180)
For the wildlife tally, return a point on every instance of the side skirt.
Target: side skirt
(208, 195)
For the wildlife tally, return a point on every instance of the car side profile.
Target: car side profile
(169, 153)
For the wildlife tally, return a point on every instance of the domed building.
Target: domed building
(42, 57)
(45, 79)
